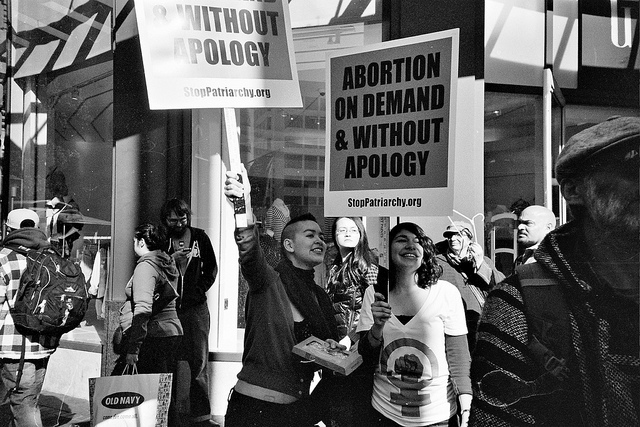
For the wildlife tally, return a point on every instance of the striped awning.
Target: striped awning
(49, 35)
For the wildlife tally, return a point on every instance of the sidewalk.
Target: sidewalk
(58, 410)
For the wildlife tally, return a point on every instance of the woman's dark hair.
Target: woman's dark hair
(153, 236)
(430, 271)
(361, 259)
(179, 206)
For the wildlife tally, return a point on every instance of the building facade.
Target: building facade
(79, 137)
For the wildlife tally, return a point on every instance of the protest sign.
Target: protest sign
(217, 53)
(390, 138)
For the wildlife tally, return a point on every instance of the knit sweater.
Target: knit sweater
(603, 360)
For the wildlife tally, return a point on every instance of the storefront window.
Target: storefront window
(58, 150)
(513, 169)
(513, 175)
(283, 149)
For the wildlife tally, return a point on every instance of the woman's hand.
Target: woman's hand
(132, 359)
(465, 408)
(333, 344)
(238, 186)
(381, 312)
(476, 254)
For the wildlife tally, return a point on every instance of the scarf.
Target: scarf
(466, 269)
(310, 299)
(608, 379)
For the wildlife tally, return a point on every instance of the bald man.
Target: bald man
(534, 223)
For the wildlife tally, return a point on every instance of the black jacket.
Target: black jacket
(201, 270)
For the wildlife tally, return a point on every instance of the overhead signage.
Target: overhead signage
(390, 138)
(217, 53)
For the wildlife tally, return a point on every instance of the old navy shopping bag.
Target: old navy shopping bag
(140, 400)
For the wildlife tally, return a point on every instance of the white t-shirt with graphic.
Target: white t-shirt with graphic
(411, 385)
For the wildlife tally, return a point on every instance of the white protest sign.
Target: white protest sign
(390, 137)
(217, 53)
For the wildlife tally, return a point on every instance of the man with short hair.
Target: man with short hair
(193, 253)
(23, 398)
(558, 341)
(284, 306)
(533, 224)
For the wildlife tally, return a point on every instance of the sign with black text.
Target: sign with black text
(390, 137)
(217, 53)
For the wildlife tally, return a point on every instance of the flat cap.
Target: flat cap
(592, 143)
(458, 227)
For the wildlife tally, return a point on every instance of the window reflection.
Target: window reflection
(60, 134)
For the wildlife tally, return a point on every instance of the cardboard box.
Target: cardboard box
(341, 361)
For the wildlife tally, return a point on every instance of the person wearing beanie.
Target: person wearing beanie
(558, 341)
(23, 400)
(464, 264)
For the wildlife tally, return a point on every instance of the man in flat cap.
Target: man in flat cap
(558, 340)
(464, 264)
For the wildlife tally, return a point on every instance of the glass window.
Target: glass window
(60, 127)
(513, 168)
(283, 149)
(513, 174)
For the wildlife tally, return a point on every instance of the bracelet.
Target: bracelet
(465, 410)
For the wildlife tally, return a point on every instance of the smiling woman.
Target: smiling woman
(417, 338)
(284, 307)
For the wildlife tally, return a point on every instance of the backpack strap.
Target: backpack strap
(23, 352)
(548, 318)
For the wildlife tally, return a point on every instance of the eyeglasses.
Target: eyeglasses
(174, 221)
(348, 230)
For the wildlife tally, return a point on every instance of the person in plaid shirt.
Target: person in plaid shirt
(21, 224)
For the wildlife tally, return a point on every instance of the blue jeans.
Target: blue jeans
(195, 350)
(24, 401)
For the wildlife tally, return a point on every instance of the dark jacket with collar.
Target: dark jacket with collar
(267, 360)
(201, 270)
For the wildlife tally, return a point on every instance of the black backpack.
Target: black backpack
(52, 298)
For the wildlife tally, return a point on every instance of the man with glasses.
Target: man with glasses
(558, 340)
(192, 250)
(464, 264)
